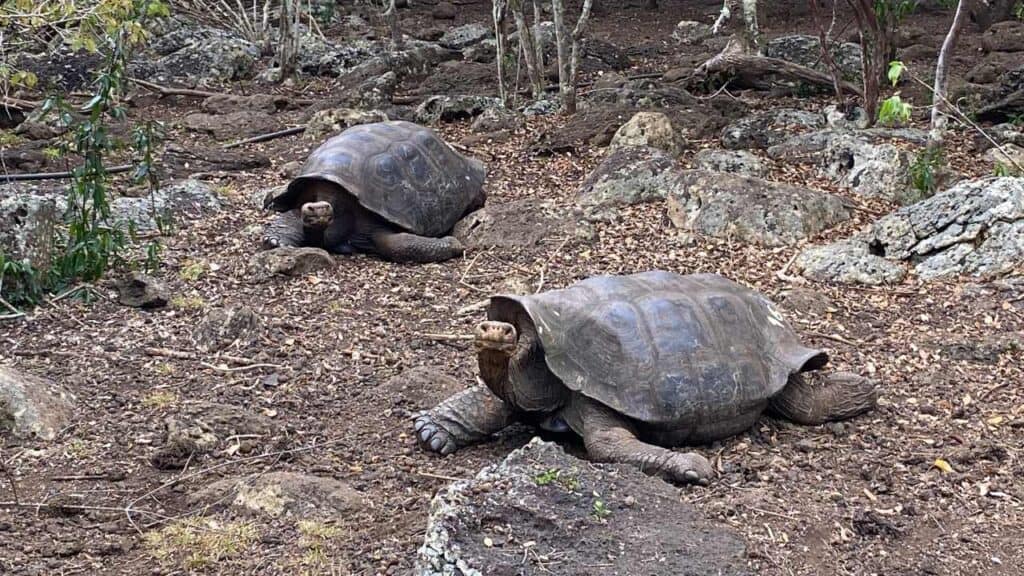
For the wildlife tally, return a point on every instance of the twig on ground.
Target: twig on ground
(238, 368)
(444, 337)
(56, 175)
(267, 136)
(837, 338)
(475, 307)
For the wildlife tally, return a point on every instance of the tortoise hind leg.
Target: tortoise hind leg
(842, 396)
(284, 230)
(405, 247)
(610, 437)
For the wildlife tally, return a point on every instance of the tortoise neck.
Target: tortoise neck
(522, 379)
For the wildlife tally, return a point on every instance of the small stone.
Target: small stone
(288, 261)
(443, 11)
(652, 129)
(31, 406)
(690, 32)
(142, 291)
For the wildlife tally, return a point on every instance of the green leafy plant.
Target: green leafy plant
(924, 168)
(600, 510)
(894, 110)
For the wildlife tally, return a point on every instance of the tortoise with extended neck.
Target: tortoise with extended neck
(637, 363)
(391, 188)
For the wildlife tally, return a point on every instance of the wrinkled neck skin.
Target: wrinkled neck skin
(523, 380)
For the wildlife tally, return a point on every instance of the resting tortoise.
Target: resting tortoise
(637, 363)
(391, 188)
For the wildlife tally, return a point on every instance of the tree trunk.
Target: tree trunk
(537, 37)
(396, 31)
(749, 33)
(527, 44)
(562, 45)
(873, 59)
(824, 38)
(499, 13)
(574, 66)
(288, 38)
(939, 101)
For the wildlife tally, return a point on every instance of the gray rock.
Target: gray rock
(495, 119)
(197, 56)
(732, 161)
(1010, 159)
(652, 129)
(233, 125)
(450, 108)
(220, 328)
(287, 261)
(628, 176)
(750, 209)
(868, 162)
(443, 11)
(542, 107)
(806, 50)
(142, 291)
(542, 498)
(175, 202)
(27, 223)
(766, 129)
(280, 495)
(690, 32)
(181, 161)
(975, 228)
(853, 119)
(32, 407)
(197, 429)
(848, 262)
(483, 52)
(1005, 36)
(464, 36)
(326, 123)
(515, 224)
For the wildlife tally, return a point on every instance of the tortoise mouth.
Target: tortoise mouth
(317, 214)
(495, 337)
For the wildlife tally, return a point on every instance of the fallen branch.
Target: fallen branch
(18, 104)
(836, 338)
(267, 136)
(166, 91)
(734, 62)
(55, 175)
(246, 363)
(238, 368)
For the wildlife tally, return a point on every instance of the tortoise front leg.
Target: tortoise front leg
(610, 437)
(466, 418)
(284, 230)
(405, 247)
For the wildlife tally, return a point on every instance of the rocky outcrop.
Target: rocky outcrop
(652, 129)
(628, 176)
(540, 502)
(32, 407)
(726, 205)
(732, 161)
(766, 129)
(848, 262)
(806, 50)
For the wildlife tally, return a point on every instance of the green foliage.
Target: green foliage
(600, 510)
(924, 168)
(92, 243)
(566, 480)
(894, 10)
(896, 69)
(894, 111)
(19, 282)
(1018, 10)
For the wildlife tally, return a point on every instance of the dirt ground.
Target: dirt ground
(861, 497)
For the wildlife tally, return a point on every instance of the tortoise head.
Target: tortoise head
(317, 215)
(495, 337)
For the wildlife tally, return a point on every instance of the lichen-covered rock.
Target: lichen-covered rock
(546, 502)
(732, 161)
(326, 123)
(691, 32)
(279, 495)
(726, 205)
(196, 55)
(975, 228)
(461, 37)
(226, 327)
(652, 129)
(32, 407)
(848, 262)
(142, 291)
(27, 222)
(289, 261)
(174, 202)
(766, 129)
(516, 224)
(450, 108)
(197, 429)
(495, 119)
(870, 163)
(628, 176)
(806, 50)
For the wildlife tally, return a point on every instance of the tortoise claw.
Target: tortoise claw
(690, 468)
(432, 436)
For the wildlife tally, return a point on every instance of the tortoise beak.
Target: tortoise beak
(495, 336)
(317, 214)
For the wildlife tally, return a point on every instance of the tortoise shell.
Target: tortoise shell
(663, 348)
(400, 171)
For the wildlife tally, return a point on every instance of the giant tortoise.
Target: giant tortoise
(391, 188)
(637, 363)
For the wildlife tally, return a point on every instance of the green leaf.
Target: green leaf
(896, 69)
